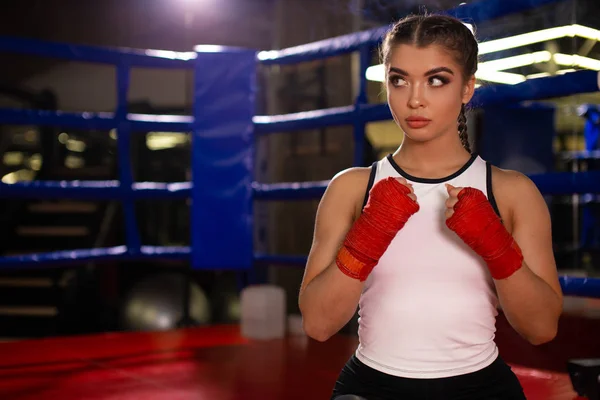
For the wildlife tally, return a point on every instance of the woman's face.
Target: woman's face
(425, 91)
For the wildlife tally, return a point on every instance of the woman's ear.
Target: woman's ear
(468, 90)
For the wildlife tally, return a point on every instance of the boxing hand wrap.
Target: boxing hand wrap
(476, 223)
(385, 213)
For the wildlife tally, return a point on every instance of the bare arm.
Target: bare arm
(532, 297)
(328, 298)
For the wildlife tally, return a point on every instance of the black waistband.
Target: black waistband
(496, 381)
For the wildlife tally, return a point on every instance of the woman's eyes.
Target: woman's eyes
(435, 80)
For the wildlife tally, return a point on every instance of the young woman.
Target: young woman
(430, 240)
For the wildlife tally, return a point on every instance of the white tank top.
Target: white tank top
(428, 309)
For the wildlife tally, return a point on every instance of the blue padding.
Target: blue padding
(100, 254)
(474, 12)
(289, 191)
(99, 121)
(102, 55)
(582, 287)
(222, 159)
(94, 190)
(561, 183)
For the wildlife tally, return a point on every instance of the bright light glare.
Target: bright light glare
(209, 48)
(376, 73)
(173, 55)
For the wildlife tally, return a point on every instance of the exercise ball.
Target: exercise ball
(156, 303)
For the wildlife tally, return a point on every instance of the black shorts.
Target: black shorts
(494, 382)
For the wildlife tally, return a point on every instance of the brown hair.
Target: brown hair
(448, 32)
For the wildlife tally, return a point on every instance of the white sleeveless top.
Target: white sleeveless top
(428, 309)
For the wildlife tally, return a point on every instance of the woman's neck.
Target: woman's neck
(433, 158)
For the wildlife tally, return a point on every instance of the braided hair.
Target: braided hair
(462, 129)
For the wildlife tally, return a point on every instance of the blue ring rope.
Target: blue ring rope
(356, 115)
(474, 12)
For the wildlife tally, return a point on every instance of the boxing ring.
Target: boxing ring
(217, 362)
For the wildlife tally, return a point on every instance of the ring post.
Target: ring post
(132, 233)
(360, 101)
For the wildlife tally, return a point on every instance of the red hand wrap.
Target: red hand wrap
(476, 223)
(386, 212)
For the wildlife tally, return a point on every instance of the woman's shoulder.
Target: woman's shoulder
(513, 189)
(350, 180)
(352, 175)
(511, 181)
(350, 185)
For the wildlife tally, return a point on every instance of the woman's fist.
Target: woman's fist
(471, 216)
(452, 199)
(409, 186)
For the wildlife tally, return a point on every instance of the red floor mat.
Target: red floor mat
(204, 363)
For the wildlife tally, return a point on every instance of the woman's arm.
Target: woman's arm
(328, 298)
(531, 298)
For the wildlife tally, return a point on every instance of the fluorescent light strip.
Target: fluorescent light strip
(516, 61)
(537, 76)
(500, 77)
(577, 61)
(540, 57)
(523, 39)
(560, 59)
(586, 32)
(537, 37)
